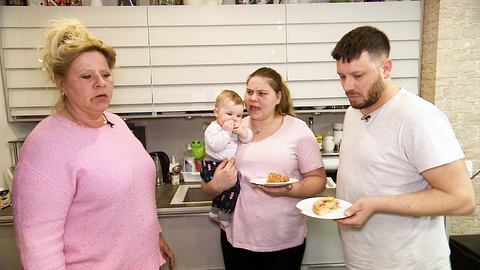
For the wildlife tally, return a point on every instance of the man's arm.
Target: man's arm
(451, 194)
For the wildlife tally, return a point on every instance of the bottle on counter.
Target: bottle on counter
(173, 163)
(311, 124)
(319, 138)
(337, 135)
(188, 160)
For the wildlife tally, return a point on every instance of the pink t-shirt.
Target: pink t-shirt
(261, 222)
(84, 198)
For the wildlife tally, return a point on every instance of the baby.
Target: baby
(222, 137)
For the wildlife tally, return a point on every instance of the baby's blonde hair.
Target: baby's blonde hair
(228, 95)
(64, 41)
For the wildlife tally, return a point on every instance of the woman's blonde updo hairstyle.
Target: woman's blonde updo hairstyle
(64, 41)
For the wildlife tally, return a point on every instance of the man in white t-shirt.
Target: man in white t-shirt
(400, 165)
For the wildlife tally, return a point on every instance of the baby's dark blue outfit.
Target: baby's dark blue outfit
(224, 204)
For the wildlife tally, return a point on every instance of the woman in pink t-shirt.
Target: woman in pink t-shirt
(267, 231)
(83, 188)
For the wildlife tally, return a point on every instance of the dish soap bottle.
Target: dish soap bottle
(311, 125)
(188, 160)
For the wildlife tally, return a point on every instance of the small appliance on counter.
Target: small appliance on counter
(16, 145)
(162, 165)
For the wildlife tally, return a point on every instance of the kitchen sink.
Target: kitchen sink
(190, 194)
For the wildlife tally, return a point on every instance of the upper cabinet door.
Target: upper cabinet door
(29, 90)
(314, 29)
(197, 51)
(178, 58)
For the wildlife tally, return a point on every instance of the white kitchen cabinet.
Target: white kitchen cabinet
(177, 58)
(198, 51)
(195, 241)
(324, 249)
(9, 258)
(314, 29)
(29, 92)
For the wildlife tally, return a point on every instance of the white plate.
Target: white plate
(306, 206)
(263, 182)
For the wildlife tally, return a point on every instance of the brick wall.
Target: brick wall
(451, 78)
(429, 50)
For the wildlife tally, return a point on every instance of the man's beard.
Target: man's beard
(374, 94)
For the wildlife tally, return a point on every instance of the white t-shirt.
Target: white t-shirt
(262, 222)
(384, 156)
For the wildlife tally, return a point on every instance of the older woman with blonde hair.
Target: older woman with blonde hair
(84, 185)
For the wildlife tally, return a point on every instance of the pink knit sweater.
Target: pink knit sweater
(84, 198)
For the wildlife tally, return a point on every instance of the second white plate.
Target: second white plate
(306, 206)
(263, 182)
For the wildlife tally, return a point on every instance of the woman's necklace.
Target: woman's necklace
(76, 121)
(258, 130)
(266, 128)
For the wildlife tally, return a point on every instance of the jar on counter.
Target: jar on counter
(4, 197)
(337, 135)
(175, 177)
(175, 174)
(328, 144)
(319, 138)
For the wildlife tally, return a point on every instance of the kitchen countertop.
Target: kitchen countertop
(165, 193)
(163, 196)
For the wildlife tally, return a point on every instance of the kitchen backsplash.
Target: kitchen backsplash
(172, 134)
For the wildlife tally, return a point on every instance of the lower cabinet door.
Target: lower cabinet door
(9, 258)
(194, 240)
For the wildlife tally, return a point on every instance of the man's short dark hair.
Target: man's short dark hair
(364, 38)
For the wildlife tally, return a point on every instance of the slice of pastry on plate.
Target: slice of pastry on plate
(324, 205)
(276, 178)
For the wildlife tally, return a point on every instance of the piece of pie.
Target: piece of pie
(276, 178)
(324, 205)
